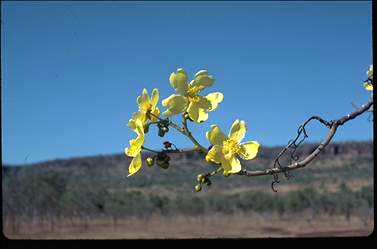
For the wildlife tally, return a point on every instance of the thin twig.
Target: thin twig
(332, 125)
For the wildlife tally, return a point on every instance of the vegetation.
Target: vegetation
(98, 187)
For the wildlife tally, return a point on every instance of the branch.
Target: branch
(185, 131)
(332, 125)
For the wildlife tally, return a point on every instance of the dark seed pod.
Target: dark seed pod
(161, 132)
(163, 160)
(163, 164)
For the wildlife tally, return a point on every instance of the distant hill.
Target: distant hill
(338, 182)
(348, 159)
(344, 150)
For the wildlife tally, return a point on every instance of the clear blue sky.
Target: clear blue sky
(71, 71)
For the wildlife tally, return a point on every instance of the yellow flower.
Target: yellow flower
(367, 84)
(226, 148)
(135, 146)
(187, 98)
(148, 109)
(370, 72)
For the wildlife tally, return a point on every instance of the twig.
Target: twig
(185, 131)
(332, 125)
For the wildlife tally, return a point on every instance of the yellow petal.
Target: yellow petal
(368, 86)
(138, 100)
(137, 116)
(135, 146)
(215, 98)
(227, 152)
(155, 97)
(175, 104)
(202, 80)
(144, 101)
(238, 130)
(135, 165)
(131, 122)
(249, 150)
(144, 97)
(136, 124)
(155, 113)
(215, 136)
(232, 165)
(214, 154)
(370, 72)
(198, 111)
(178, 81)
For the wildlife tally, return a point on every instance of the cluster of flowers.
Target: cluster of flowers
(224, 150)
(186, 99)
(368, 84)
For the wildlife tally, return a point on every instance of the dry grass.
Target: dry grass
(210, 226)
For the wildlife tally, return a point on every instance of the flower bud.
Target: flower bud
(161, 132)
(200, 178)
(198, 188)
(208, 182)
(150, 161)
(163, 164)
(163, 160)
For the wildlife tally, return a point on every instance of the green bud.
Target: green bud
(161, 132)
(208, 182)
(200, 178)
(198, 188)
(149, 161)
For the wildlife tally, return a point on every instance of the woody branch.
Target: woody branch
(331, 125)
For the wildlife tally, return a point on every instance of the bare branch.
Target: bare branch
(332, 125)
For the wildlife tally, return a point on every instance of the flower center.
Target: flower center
(193, 99)
(232, 145)
(147, 109)
(193, 91)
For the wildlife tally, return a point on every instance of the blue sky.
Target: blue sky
(71, 71)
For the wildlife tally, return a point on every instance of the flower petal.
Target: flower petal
(231, 165)
(248, 150)
(368, 86)
(198, 111)
(178, 81)
(214, 154)
(137, 115)
(370, 72)
(238, 130)
(135, 146)
(202, 80)
(144, 96)
(215, 136)
(155, 97)
(175, 104)
(155, 113)
(135, 165)
(215, 98)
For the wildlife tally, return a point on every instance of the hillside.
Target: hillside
(338, 182)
